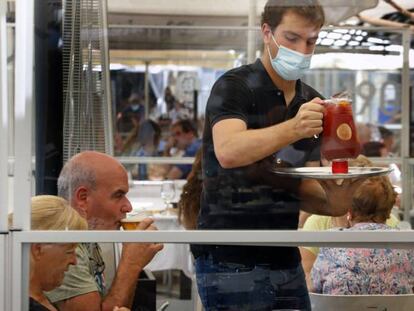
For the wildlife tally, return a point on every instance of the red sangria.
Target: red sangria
(339, 136)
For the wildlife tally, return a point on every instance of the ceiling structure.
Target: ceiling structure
(178, 25)
(231, 8)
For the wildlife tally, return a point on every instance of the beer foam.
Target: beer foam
(135, 218)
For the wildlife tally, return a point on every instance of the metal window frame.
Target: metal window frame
(407, 170)
(3, 279)
(156, 160)
(109, 133)
(375, 239)
(24, 67)
(4, 124)
(4, 153)
(21, 239)
(21, 244)
(19, 267)
(190, 160)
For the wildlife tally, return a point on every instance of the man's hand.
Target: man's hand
(308, 120)
(140, 254)
(171, 143)
(339, 196)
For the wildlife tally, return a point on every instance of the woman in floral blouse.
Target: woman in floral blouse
(362, 271)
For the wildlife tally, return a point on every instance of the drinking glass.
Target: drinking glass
(167, 192)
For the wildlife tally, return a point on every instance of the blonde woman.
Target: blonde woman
(48, 262)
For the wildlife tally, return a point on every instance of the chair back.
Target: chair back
(321, 302)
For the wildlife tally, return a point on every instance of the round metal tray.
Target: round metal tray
(326, 172)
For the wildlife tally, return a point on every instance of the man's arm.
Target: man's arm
(135, 256)
(236, 146)
(308, 259)
(91, 300)
(327, 197)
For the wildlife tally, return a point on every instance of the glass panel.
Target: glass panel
(170, 279)
(163, 282)
(157, 53)
(180, 74)
(183, 72)
(371, 77)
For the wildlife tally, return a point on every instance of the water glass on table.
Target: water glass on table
(167, 192)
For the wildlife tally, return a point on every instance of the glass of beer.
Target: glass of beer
(131, 222)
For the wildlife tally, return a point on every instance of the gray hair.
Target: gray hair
(73, 175)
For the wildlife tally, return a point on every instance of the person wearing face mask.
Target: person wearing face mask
(258, 116)
(129, 118)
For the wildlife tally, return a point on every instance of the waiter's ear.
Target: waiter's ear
(267, 33)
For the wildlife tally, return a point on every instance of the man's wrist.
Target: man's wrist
(132, 264)
(292, 130)
(337, 208)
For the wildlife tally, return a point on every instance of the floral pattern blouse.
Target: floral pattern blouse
(363, 271)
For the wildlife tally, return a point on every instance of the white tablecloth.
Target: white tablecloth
(172, 256)
(145, 197)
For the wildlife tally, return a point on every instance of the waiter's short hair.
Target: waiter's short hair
(274, 11)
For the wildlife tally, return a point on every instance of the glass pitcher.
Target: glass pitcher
(339, 137)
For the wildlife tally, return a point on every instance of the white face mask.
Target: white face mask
(289, 64)
(135, 107)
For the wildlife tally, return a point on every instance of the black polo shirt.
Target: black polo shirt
(251, 197)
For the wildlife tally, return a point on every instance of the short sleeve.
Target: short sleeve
(315, 223)
(191, 151)
(78, 279)
(185, 170)
(229, 98)
(393, 221)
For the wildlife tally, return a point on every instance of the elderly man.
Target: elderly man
(96, 185)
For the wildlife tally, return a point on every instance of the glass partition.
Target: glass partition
(169, 280)
(162, 70)
(173, 80)
(167, 76)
